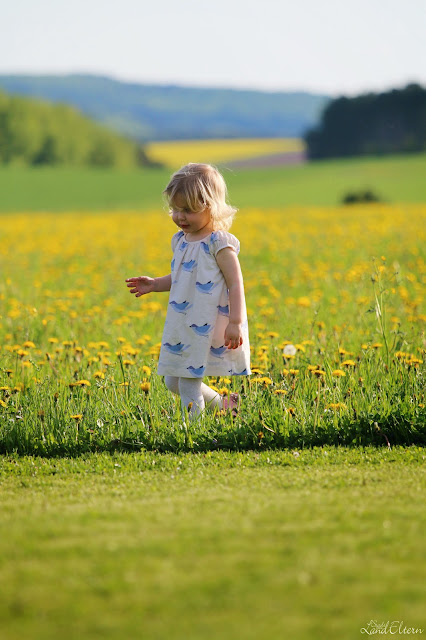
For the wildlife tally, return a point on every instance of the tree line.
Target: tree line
(371, 124)
(34, 133)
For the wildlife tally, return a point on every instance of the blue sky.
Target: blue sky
(325, 46)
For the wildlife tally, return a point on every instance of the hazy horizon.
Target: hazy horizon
(326, 48)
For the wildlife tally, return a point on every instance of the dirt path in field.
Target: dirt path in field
(271, 160)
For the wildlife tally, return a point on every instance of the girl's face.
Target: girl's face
(191, 222)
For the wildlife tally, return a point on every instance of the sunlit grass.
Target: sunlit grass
(259, 545)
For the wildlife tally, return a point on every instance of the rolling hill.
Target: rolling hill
(157, 112)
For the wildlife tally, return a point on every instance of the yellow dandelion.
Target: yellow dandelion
(3, 403)
(28, 344)
(128, 363)
(319, 373)
(400, 354)
(336, 406)
(272, 334)
(258, 371)
(83, 383)
(294, 372)
(146, 370)
(280, 392)
(53, 340)
(77, 416)
(376, 345)
(145, 386)
(338, 373)
(100, 375)
(349, 363)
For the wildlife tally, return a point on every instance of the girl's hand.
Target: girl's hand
(140, 285)
(233, 336)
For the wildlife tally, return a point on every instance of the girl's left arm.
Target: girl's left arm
(229, 264)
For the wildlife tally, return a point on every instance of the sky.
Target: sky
(334, 47)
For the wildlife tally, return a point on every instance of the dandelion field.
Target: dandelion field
(335, 299)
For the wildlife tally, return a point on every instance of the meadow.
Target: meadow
(395, 179)
(303, 516)
(343, 287)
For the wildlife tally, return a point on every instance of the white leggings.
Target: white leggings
(193, 390)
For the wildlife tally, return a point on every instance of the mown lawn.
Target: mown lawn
(280, 544)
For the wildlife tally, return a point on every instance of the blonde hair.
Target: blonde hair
(201, 186)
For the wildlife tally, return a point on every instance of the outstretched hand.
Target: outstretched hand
(140, 285)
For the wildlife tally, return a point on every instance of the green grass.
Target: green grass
(301, 545)
(394, 178)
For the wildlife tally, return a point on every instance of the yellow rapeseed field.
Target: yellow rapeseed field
(342, 289)
(176, 153)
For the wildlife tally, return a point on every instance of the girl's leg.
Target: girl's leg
(212, 399)
(190, 393)
(172, 383)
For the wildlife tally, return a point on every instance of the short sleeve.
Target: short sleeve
(175, 239)
(222, 239)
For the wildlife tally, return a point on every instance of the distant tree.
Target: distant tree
(371, 124)
(38, 133)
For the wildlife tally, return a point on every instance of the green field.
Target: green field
(130, 525)
(298, 544)
(394, 178)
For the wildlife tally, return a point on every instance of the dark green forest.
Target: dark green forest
(371, 124)
(34, 133)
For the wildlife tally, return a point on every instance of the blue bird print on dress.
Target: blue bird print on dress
(188, 266)
(223, 311)
(217, 352)
(213, 236)
(176, 349)
(206, 287)
(198, 373)
(205, 247)
(202, 330)
(244, 372)
(172, 264)
(179, 235)
(183, 245)
(180, 307)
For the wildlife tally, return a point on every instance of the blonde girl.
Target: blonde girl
(206, 331)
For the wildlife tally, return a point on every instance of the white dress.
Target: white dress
(193, 343)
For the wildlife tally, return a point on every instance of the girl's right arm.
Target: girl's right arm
(141, 285)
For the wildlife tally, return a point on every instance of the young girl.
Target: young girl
(206, 331)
